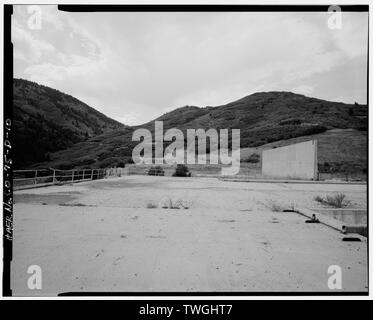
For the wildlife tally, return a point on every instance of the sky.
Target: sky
(134, 67)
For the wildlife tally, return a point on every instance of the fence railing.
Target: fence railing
(23, 179)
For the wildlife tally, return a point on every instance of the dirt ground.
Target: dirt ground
(103, 236)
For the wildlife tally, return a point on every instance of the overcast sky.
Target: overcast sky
(136, 66)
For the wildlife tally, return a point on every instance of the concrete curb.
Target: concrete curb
(330, 222)
(360, 230)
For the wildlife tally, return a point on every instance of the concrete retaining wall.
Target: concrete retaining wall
(349, 217)
(297, 161)
(337, 220)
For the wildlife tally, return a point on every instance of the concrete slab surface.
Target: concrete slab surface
(100, 236)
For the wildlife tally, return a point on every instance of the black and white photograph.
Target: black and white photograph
(185, 150)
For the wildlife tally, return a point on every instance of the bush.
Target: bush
(338, 200)
(181, 171)
(156, 171)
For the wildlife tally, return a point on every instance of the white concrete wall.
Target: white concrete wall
(296, 161)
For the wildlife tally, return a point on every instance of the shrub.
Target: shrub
(180, 204)
(156, 171)
(181, 171)
(168, 203)
(338, 200)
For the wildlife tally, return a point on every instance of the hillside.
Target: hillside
(47, 120)
(271, 116)
(263, 118)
